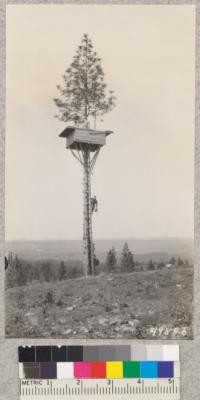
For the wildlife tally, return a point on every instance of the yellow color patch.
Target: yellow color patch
(114, 369)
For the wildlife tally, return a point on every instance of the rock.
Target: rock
(113, 321)
(134, 323)
(62, 321)
(84, 329)
(71, 308)
(131, 323)
(67, 332)
(125, 305)
(151, 312)
(102, 321)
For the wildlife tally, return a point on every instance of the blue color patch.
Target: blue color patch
(165, 369)
(148, 369)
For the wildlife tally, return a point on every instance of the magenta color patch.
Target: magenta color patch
(82, 370)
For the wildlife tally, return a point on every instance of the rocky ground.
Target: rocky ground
(148, 305)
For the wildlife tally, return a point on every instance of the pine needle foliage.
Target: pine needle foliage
(84, 96)
(127, 260)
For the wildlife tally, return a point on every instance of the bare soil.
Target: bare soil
(141, 305)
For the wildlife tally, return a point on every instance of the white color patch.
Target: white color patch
(21, 371)
(177, 372)
(154, 353)
(170, 353)
(65, 370)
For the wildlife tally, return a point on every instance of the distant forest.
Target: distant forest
(21, 272)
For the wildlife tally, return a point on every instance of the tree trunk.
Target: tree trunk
(88, 250)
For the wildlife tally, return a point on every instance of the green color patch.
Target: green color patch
(131, 369)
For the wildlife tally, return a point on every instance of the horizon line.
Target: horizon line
(100, 238)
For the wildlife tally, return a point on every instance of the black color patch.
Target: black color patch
(59, 353)
(26, 354)
(75, 353)
(43, 353)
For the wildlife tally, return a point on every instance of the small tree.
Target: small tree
(127, 261)
(172, 261)
(150, 265)
(62, 274)
(83, 94)
(180, 262)
(161, 265)
(111, 260)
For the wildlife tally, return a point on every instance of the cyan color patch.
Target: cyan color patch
(148, 369)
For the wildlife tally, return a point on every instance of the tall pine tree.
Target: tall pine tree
(84, 97)
(127, 261)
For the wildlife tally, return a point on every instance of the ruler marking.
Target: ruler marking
(117, 388)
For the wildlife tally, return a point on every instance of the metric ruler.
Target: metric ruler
(106, 389)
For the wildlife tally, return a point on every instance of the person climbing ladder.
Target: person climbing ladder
(94, 204)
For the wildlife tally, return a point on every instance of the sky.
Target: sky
(144, 176)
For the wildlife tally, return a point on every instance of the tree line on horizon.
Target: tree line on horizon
(22, 272)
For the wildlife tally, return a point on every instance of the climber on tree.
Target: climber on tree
(94, 204)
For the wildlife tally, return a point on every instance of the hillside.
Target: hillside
(153, 304)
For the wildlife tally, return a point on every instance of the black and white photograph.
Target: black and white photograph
(99, 171)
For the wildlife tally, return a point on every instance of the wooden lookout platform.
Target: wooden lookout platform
(77, 138)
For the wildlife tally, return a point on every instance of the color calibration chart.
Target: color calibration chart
(138, 372)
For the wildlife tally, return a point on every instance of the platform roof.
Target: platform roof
(70, 129)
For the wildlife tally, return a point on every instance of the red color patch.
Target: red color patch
(98, 369)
